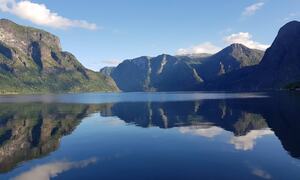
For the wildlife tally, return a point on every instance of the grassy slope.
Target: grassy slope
(68, 81)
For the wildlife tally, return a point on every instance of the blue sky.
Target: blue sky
(102, 33)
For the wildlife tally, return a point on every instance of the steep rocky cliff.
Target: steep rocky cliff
(32, 61)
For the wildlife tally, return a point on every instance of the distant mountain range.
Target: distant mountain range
(236, 67)
(32, 61)
(180, 73)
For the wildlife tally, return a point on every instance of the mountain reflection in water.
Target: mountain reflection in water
(33, 130)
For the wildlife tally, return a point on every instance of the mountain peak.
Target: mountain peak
(163, 56)
(237, 45)
(237, 50)
(290, 24)
(287, 42)
(290, 29)
(282, 58)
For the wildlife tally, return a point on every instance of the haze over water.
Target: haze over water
(150, 136)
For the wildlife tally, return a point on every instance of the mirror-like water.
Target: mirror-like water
(150, 136)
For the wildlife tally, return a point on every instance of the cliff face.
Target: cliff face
(281, 64)
(31, 60)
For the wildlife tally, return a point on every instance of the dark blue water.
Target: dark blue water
(150, 136)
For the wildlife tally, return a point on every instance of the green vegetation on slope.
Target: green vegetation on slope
(31, 61)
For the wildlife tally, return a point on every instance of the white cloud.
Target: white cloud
(111, 62)
(206, 47)
(248, 141)
(245, 38)
(39, 14)
(252, 9)
(208, 132)
(50, 170)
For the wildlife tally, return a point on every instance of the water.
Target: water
(150, 136)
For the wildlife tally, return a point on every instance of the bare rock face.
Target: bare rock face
(29, 42)
(32, 60)
(21, 38)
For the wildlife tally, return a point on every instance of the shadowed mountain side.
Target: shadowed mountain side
(279, 68)
(180, 73)
(162, 73)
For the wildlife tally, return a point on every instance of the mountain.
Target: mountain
(233, 57)
(279, 68)
(180, 73)
(32, 61)
(281, 64)
(161, 73)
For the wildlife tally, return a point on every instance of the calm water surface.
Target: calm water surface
(150, 136)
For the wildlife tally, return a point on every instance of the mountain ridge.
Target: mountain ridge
(238, 68)
(179, 73)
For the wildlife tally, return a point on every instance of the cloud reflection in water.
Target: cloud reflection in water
(47, 171)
